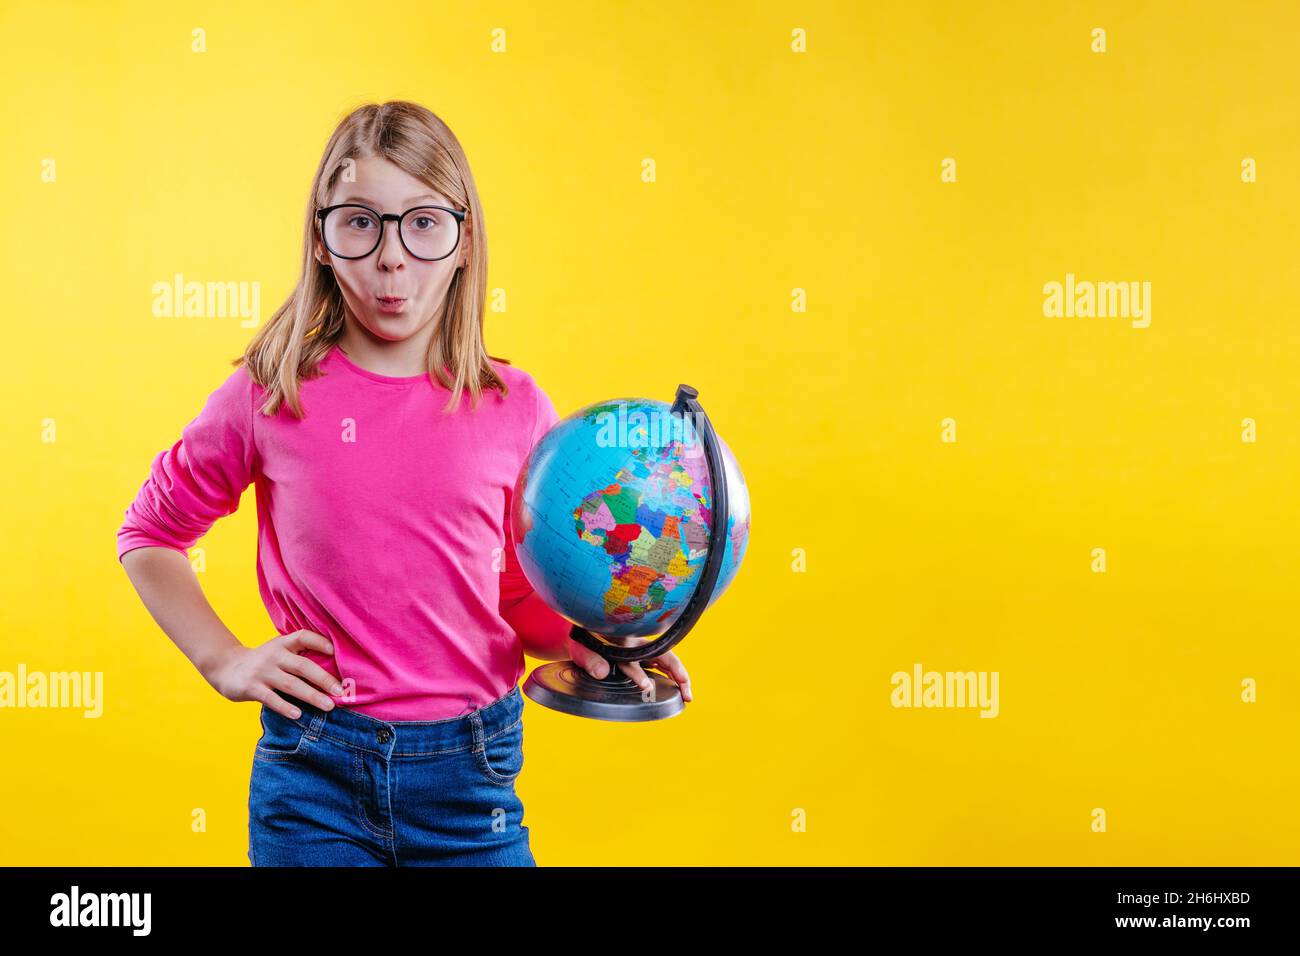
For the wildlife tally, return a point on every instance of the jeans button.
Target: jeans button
(383, 735)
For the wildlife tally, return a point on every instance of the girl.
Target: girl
(391, 712)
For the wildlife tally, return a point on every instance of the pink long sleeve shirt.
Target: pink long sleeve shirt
(383, 524)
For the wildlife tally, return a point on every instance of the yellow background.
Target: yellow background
(775, 171)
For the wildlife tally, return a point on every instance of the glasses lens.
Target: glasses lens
(430, 233)
(351, 231)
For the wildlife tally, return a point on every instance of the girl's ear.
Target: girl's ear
(466, 248)
(318, 247)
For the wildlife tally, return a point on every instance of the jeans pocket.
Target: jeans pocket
(281, 737)
(500, 758)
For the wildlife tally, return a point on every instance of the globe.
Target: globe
(611, 517)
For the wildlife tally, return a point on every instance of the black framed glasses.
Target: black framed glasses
(354, 231)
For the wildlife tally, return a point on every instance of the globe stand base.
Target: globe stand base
(566, 687)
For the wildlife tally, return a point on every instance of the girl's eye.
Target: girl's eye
(359, 222)
(424, 222)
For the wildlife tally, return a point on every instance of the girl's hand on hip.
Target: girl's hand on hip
(256, 673)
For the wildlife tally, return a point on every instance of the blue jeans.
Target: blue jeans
(340, 788)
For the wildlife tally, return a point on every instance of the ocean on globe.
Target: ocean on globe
(611, 515)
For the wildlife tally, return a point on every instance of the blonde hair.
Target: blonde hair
(290, 346)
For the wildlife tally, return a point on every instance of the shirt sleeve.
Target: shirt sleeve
(546, 418)
(514, 586)
(200, 478)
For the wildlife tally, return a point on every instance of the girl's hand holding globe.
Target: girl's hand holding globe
(598, 667)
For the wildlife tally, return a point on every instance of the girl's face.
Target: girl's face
(390, 271)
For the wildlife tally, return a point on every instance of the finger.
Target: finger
(589, 660)
(275, 702)
(308, 640)
(639, 677)
(670, 664)
(295, 687)
(311, 671)
(676, 672)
